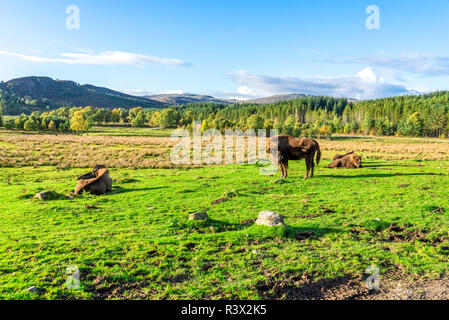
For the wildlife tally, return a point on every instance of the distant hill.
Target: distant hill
(36, 93)
(28, 94)
(277, 98)
(182, 99)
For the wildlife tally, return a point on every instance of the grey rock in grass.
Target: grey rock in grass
(47, 195)
(31, 289)
(270, 219)
(201, 216)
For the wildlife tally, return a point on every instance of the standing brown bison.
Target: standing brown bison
(348, 161)
(289, 148)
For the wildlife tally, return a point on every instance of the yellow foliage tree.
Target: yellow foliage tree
(326, 131)
(81, 122)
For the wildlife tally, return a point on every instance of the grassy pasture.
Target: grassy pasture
(137, 243)
(144, 148)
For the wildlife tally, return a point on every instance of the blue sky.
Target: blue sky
(239, 49)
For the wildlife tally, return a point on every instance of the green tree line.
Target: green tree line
(414, 116)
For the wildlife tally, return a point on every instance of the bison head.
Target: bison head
(357, 161)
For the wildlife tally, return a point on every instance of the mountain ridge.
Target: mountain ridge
(186, 98)
(39, 93)
(28, 94)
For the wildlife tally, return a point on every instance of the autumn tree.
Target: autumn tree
(52, 126)
(255, 122)
(138, 119)
(167, 118)
(29, 125)
(81, 122)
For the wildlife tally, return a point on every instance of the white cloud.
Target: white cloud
(172, 92)
(136, 92)
(108, 58)
(412, 63)
(365, 85)
(245, 91)
(139, 92)
(367, 75)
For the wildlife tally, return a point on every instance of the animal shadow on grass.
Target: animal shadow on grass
(215, 226)
(380, 165)
(302, 234)
(380, 175)
(120, 190)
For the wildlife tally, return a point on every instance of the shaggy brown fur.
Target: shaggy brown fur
(338, 156)
(96, 182)
(349, 161)
(289, 148)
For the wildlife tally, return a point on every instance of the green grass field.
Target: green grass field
(138, 243)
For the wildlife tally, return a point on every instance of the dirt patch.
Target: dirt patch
(220, 201)
(396, 233)
(174, 279)
(327, 210)
(118, 290)
(392, 287)
(408, 289)
(248, 222)
(439, 210)
(308, 288)
(301, 236)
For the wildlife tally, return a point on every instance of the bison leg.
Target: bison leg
(284, 168)
(308, 168)
(312, 166)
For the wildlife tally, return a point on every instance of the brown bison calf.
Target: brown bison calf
(348, 161)
(289, 148)
(96, 182)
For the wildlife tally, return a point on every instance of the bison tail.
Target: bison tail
(318, 154)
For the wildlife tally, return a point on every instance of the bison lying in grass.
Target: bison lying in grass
(348, 161)
(289, 148)
(96, 182)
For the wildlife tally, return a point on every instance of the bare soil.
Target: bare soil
(392, 287)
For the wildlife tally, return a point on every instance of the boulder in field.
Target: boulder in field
(47, 195)
(270, 219)
(199, 216)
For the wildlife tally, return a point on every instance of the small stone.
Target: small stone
(31, 289)
(47, 195)
(270, 219)
(199, 216)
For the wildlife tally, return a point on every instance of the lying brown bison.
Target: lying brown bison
(348, 161)
(96, 182)
(339, 156)
(289, 148)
